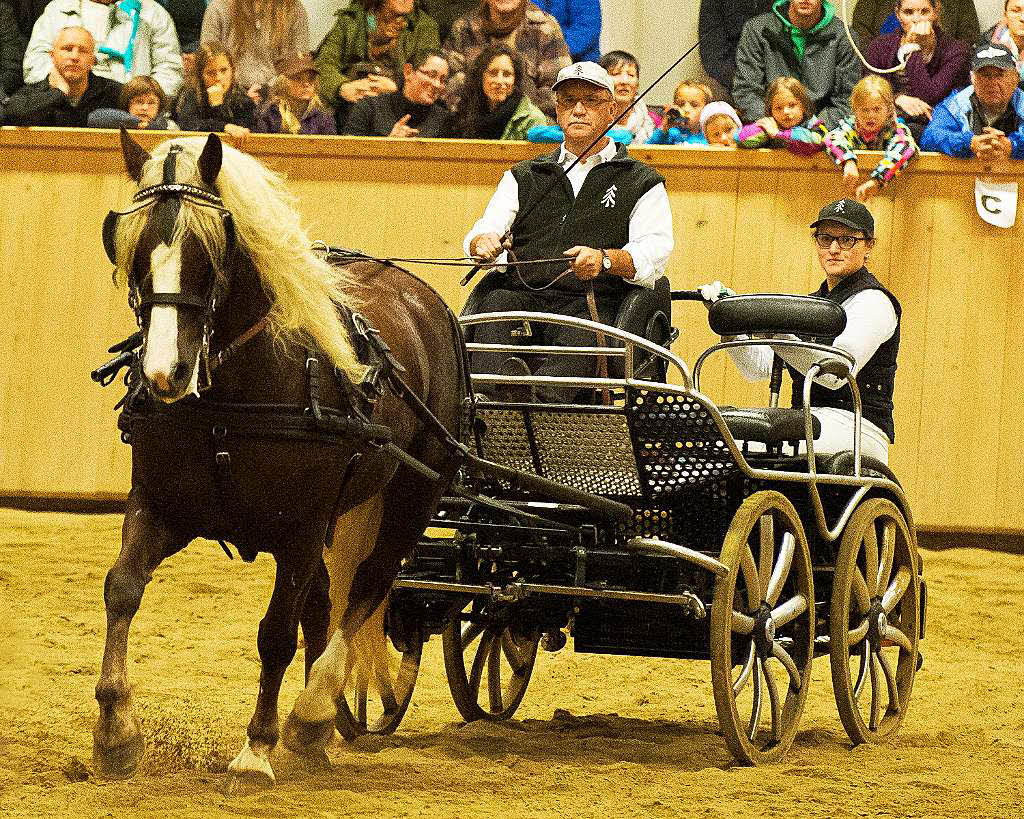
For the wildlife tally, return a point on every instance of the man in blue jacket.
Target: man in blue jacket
(581, 26)
(986, 119)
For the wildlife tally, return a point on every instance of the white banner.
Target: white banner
(996, 202)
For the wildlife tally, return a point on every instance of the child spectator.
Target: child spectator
(213, 102)
(872, 126)
(791, 122)
(294, 106)
(681, 124)
(144, 99)
(624, 69)
(720, 124)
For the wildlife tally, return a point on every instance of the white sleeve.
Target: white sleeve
(500, 211)
(870, 321)
(650, 236)
(37, 63)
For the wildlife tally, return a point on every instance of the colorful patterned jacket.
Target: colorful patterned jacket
(802, 140)
(894, 139)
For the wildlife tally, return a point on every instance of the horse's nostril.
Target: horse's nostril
(180, 371)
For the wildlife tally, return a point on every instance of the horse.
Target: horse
(244, 351)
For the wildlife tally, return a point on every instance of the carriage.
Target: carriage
(672, 527)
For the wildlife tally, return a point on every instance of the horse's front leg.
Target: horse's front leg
(277, 642)
(117, 737)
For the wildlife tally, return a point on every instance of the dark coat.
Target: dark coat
(719, 29)
(376, 116)
(12, 51)
(39, 104)
(27, 12)
(191, 114)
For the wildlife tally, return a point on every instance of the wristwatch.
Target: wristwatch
(606, 260)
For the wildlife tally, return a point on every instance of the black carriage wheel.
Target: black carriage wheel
(488, 666)
(762, 629)
(379, 708)
(875, 622)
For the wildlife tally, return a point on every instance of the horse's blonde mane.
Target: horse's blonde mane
(305, 291)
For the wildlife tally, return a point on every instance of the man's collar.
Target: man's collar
(606, 154)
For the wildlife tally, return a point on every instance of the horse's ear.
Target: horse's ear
(210, 159)
(135, 156)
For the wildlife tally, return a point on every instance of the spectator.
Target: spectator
(12, 51)
(624, 69)
(26, 12)
(144, 99)
(720, 124)
(681, 123)
(70, 92)
(802, 39)
(718, 30)
(188, 22)
(872, 126)
(534, 34)
(363, 54)
(986, 119)
(1009, 32)
(790, 122)
(294, 106)
(413, 111)
(154, 50)
(932, 72)
(958, 18)
(494, 105)
(446, 12)
(257, 33)
(580, 21)
(213, 101)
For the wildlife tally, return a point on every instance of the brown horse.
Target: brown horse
(232, 304)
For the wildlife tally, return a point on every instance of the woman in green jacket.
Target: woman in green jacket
(493, 103)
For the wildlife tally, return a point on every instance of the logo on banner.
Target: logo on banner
(996, 202)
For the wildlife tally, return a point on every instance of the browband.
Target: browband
(179, 189)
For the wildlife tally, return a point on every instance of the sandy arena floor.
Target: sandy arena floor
(595, 736)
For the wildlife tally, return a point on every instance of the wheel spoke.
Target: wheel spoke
(890, 682)
(494, 675)
(470, 632)
(755, 712)
(898, 637)
(786, 613)
(766, 554)
(742, 623)
(482, 652)
(744, 677)
(780, 654)
(876, 700)
(888, 552)
(898, 587)
(748, 569)
(859, 591)
(871, 559)
(781, 570)
(856, 635)
(862, 671)
(518, 660)
(773, 701)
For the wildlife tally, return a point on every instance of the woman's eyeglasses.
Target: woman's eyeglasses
(825, 241)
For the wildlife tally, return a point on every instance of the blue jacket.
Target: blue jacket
(581, 25)
(950, 130)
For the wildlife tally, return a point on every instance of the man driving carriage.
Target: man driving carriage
(608, 215)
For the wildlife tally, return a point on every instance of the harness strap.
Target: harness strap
(602, 360)
(232, 348)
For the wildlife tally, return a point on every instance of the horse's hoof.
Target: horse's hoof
(308, 739)
(250, 771)
(118, 761)
(241, 784)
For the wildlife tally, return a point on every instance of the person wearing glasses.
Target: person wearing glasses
(606, 214)
(413, 111)
(844, 235)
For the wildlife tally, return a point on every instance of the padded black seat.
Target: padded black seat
(768, 425)
(841, 463)
(768, 314)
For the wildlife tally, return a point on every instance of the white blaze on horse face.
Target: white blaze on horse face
(162, 336)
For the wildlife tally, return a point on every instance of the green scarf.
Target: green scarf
(799, 35)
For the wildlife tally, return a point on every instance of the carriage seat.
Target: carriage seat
(841, 463)
(767, 425)
(769, 314)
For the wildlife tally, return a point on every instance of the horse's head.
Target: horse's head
(173, 248)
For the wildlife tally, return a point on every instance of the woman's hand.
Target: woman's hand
(913, 107)
(851, 176)
(355, 90)
(866, 190)
(402, 130)
(379, 84)
(923, 35)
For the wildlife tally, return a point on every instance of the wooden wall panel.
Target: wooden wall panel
(739, 217)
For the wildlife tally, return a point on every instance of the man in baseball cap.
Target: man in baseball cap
(986, 119)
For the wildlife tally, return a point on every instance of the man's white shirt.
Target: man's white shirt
(650, 223)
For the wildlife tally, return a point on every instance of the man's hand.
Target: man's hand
(913, 106)
(380, 84)
(586, 262)
(770, 126)
(58, 82)
(851, 175)
(401, 130)
(991, 145)
(485, 247)
(866, 190)
(355, 90)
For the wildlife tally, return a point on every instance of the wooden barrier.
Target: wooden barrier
(739, 216)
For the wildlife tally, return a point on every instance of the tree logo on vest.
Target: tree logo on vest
(608, 200)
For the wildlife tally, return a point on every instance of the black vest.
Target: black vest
(550, 219)
(876, 379)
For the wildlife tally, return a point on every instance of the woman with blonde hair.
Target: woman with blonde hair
(295, 107)
(872, 126)
(258, 33)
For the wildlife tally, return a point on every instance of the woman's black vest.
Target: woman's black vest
(598, 217)
(876, 378)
